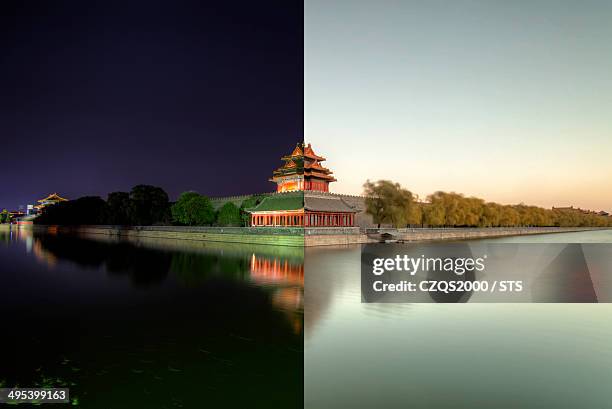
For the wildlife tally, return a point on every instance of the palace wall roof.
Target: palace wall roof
(280, 201)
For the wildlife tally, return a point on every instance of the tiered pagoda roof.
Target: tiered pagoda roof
(303, 197)
(313, 168)
(303, 161)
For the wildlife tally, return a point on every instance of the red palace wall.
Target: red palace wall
(313, 219)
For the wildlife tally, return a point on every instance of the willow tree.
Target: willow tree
(509, 217)
(415, 216)
(491, 215)
(389, 203)
(434, 214)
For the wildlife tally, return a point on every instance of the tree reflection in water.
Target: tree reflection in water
(195, 323)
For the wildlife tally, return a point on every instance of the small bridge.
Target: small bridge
(384, 234)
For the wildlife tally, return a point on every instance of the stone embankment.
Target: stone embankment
(464, 233)
(300, 237)
(249, 235)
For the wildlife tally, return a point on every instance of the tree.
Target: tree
(509, 217)
(229, 215)
(193, 209)
(433, 214)
(4, 216)
(491, 215)
(119, 207)
(84, 210)
(388, 202)
(248, 203)
(149, 205)
(385, 200)
(415, 215)
(474, 211)
(201, 211)
(179, 209)
(453, 212)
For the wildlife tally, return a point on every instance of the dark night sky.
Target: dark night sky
(100, 96)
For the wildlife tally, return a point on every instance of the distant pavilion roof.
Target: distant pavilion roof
(53, 197)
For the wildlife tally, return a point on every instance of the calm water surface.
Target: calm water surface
(156, 324)
(450, 355)
(165, 324)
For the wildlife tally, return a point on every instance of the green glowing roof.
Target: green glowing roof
(280, 201)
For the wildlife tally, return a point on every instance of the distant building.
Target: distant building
(573, 209)
(582, 211)
(16, 214)
(564, 208)
(52, 199)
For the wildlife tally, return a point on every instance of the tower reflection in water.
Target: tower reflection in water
(150, 312)
(279, 271)
(287, 279)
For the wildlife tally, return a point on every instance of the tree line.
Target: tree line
(193, 209)
(146, 205)
(389, 203)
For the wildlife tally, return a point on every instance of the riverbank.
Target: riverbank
(467, 233)
(336, 236)
(301, 237)
(293, 237)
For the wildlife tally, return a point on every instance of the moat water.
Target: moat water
(435, 356)
(166, 324)
(158, 324)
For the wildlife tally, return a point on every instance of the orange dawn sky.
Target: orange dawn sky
(507, 102)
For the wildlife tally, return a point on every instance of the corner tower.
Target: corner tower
(302, 197)
(302, 171)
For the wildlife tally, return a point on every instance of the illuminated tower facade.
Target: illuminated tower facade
(302, 171)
